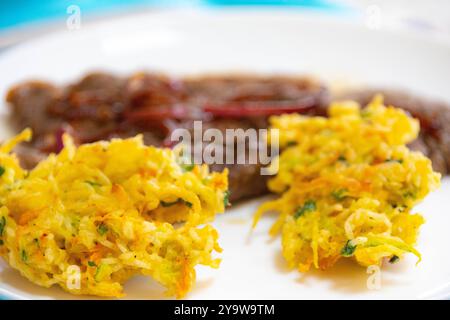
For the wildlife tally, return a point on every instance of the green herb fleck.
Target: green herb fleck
(93, 183)
(169, 204)
(342, 158)
(102, 229)
(394, 259)
(2, 225)
(291, 143)
(400, 208)
(36, 241)
(187, 166)
(92, 264)
(394, 160)
(2, 170)
(339, 194)
(348, 249)
(365, 113)
(75, 223)
(1, 242)
(226, 198)
(179, 200)
(24, 255)
(409, 194)
(103, 270)
(97, 273)
(309, 205)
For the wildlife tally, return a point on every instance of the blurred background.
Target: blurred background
(22, 19)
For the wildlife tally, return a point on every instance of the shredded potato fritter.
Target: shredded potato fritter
(347, 186)
(105, 212)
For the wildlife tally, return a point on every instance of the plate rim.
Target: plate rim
(4, 294)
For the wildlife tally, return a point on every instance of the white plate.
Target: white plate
(199, 42)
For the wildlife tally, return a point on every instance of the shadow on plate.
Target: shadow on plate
(346, 275)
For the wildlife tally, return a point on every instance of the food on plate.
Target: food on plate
(92, 216)
(434, 116)
(347, 186)
(101, 106)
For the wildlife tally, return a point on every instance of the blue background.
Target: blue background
(20, 12)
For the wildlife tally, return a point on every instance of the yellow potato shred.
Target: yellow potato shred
(347, 185)
(93, 216)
